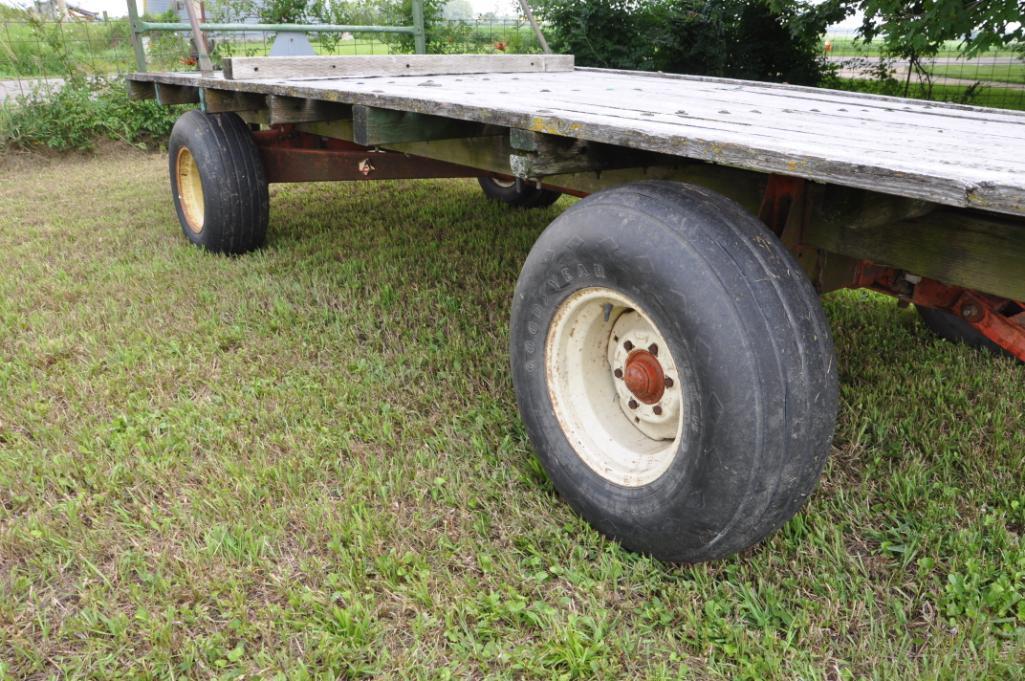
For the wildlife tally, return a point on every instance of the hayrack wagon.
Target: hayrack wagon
(670, 356)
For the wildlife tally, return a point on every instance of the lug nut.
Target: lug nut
(653, 349)
(618, 373)
(632, 404)
(657, 409)
(669, 382)
(628, 346)
(970, 311)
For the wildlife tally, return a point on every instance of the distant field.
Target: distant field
(847, 46)
(1000, 98)
(976, 70)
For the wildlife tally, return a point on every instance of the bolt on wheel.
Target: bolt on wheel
(673, 369)
(614, 386)
(218, 185)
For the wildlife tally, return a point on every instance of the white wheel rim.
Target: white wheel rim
(628, 437)
(190, 190)
(504, 184)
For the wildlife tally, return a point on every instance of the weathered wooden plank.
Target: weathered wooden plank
(796, 130)
(492, 154)
(374, 126)
(539, 155)
(961, 248)
(302, 110)
(960, 156)
(238, 68)
(141, 90)
(168, 95)
(807, 92)
(744, 187)
(340, 129)
(785, 118)
(222, 101)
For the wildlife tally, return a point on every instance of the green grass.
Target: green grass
(49, 49)
(847, 46)
(307, 463)
(969, 70)
(999, 98)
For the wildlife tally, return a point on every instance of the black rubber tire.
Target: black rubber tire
(236, 203)
(746, 329)
(952, 328)
(518, 195)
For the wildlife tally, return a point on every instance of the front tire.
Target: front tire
(674, 370)
(217, 183)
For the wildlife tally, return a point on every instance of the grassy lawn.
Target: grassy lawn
(969, 70)
(307, 463)
(848, 46)
(999, 98)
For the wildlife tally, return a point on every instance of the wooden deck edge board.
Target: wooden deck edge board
(370, 66)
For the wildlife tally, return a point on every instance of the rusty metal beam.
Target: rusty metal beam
(998, 319)
(290, 156)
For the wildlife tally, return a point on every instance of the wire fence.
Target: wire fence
(994, 78)
(34, 53)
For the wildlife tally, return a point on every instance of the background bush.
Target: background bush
(85, 109)
(760, 40)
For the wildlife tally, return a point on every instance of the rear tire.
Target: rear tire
(952, 328)
(217, 183)
(705, 316)
(517, 194)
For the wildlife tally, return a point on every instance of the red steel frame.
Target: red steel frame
(292, 156)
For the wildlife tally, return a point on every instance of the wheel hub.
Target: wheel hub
(614, 386)
(644, 376)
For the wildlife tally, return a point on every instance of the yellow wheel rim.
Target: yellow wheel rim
(190, 190)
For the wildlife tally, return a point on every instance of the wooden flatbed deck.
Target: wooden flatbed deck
(943, 153)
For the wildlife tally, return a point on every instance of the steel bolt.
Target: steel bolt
(669, 382)
(658, 410)
(653, 349)
(628, 346)
(618, 373)
(632, 404)
(970, 311)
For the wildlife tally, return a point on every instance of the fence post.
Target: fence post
(420, 32)
(133, 28)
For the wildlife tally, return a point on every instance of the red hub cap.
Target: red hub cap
(644, 377)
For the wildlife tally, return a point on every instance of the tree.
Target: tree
(922, 27)
(762, 39)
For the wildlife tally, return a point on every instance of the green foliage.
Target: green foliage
(8, 13)
(76, 115)
(285, 11)
(910, 29)
(762, 40)
(30, 47)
